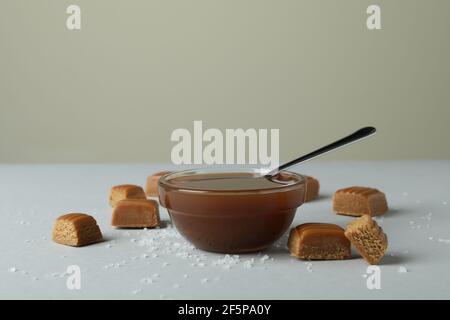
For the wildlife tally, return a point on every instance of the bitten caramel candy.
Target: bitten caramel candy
(151, 188)
(358, 201)
(76, 230)
(319, 241)
(135, 213)
(125, 191)
(368, 238)
(312, 188)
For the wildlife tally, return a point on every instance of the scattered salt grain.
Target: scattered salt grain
(248, 264)
(137, 291)
(155, 275)
(147, 280)
(446, 241)
(430, 238)
(444, 203)
(13, 269)
(402, 269)
(204, 280)
(309, 266)
(165, 264)
(144, 256)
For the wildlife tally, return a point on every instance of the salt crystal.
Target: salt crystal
(402, 269)
(35, 278)
(165, 264)
(144, 256)
(147, 280)
(430, 238)
(24, 273)
(133, 240)
(264, 258)
(446, 241)
(108, 245)
(309, 266)
(185, 276)
(204, 280)
(136, 291)
(13, 269)
(444, 203)
(155, 275)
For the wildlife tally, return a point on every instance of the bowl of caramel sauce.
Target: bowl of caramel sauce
(233, 210)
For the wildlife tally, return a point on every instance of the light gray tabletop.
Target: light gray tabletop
(159, 264)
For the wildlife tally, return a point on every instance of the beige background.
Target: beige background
(137, 70)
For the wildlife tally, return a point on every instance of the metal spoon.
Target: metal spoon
(354, 137)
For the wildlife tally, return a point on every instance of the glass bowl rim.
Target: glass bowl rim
(164, 181)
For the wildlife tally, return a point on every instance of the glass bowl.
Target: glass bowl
(231, 210)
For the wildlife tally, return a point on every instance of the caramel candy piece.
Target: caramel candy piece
(312, 188)
(125, 191)
(76, 230)
(358, 201)
(368, 238)
(151, 188)
(135, 213)
(319, 241)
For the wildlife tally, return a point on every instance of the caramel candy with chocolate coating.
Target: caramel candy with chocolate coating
(151, 188)
(319, 241)
(312, 188)
(135, 213)
(76, 230)
(368, 238)
(358, 201)
(125, 191)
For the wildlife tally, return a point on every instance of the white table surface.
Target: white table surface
(33, 267)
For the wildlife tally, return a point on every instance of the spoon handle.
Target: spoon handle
(354, 137)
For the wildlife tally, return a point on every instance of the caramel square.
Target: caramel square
(135, 213)
(368, 238)
(76, 230)
(312, 188)
(151, 188)
(319, 241)
(125, 191)
(358, 201)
